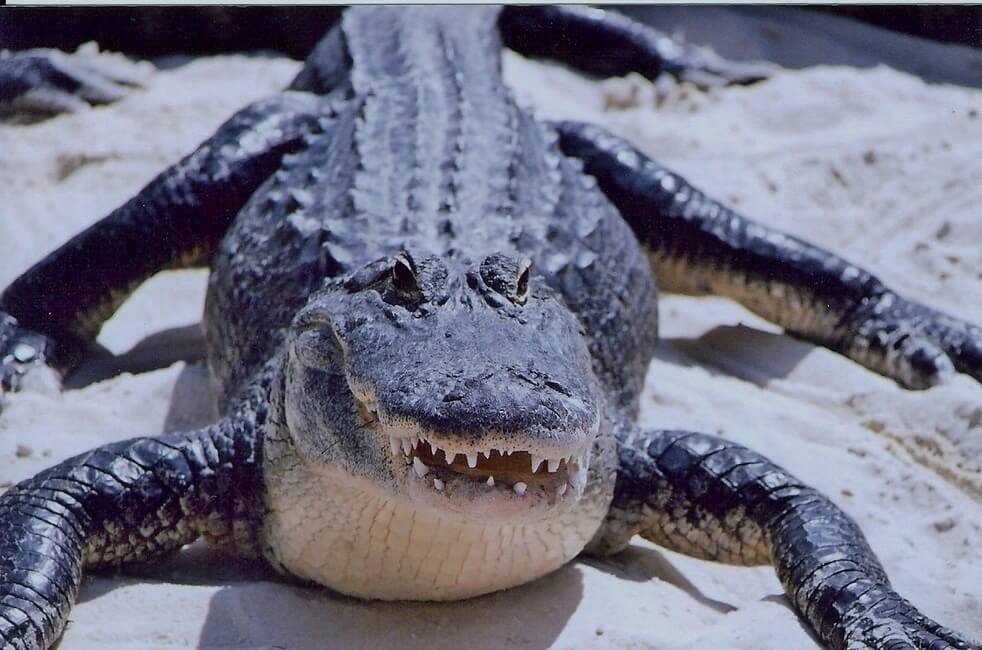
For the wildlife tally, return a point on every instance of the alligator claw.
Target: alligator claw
(713, 71)
(20, 351)
(44, 82)
(913, 344)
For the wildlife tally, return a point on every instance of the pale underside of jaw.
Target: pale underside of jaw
(518, 471)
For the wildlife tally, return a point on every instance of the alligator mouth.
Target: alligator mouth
(460, 472)
(521, 472)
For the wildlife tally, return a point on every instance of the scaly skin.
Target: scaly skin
(711, 498)
(413, 257)
(699, 246)
(125, 502)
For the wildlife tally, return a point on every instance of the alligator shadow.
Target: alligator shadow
(641, 564)
(279, 615)
(738, 351)
(158, 350)
(257, 608)
(192, 404)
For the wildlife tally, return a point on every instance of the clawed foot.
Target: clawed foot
(913, 344)
(892, 623)
(46, 82)
(20, 351)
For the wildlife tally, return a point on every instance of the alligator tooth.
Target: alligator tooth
(536, 462)
(553, 465)
(450, 456)
(471, 459)
(520, 488)
(407, 447)
(438, 484)
(394, 445)
(415, 442)
(490, 481)
(562, 489)
(419, 467)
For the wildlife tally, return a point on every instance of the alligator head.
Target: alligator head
(466, 387)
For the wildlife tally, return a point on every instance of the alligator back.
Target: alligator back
(431, 155)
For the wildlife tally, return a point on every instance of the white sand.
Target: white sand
(873, 164)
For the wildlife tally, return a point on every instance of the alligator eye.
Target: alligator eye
(404, 273)
(507, 276)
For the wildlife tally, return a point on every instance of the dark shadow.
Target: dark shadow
(641, 564)
(192, 402)
(258, 607)
(287, 616)
(196, 564)
(158, 350)
(738, 351)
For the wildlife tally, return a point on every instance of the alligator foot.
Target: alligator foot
(888, 622)
(40, 83)
(916, 345)
(21, 351)
(713, 499)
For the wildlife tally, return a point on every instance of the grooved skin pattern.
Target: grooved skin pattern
(359, 538)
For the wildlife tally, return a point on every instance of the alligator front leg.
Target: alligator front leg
(605, 43)
(699, 246)
(51, 312)
(713, 499)
(121, 503)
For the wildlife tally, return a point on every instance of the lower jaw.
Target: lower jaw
(471, 498)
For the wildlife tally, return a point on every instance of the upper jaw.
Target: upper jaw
(494, 473)
(519, 468)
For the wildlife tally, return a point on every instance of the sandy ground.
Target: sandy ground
(875, 164)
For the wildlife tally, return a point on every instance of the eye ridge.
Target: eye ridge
(522, 284)
(404, 276)
(508, 276)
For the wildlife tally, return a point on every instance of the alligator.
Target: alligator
(428, 319)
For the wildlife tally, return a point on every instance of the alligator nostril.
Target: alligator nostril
(559, 388)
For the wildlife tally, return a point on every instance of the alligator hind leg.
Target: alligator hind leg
(699, 246)
(43, 82)
(608, 44)
(121, 503)
(713, 499)
(176, 221)
(328, 66)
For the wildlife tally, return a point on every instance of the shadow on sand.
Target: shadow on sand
(738, 351)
